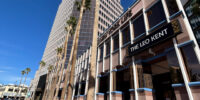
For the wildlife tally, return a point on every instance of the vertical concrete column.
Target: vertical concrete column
(83, 66)
(178, 53)
(111, 79)
(104, 54)
(96, 78)
(87, 69)
(133, 95)
(75, 77)
(120, 47)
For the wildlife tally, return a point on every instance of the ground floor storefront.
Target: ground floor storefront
(160, 74)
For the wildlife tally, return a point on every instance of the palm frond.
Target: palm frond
(59, 50)
(42, 63)
(78, 5)
(27, 70)
(87, 4)
(71, 25)
(50, 68)
(23, 72)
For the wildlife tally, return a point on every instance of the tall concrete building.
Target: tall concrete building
(109, 11)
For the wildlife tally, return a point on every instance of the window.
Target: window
(138, 26)
(172, 6)
(10, 90)
(126, 35)
(82, 90)
(191, 62)
(16, 90)
(155, 14)
(107, 48)
(193, 14)
(76, 89)
(116, 42)
(104, 84)
(166, 66)
(124, 81)
(101, 52)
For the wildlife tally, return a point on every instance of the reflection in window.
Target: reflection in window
(193, 14)
(191, 62)
(124, 82)
(174, 67)
(172, 6)
(76, 89)
(155, 14)
(126, 35)
(138, 26)
(107, 48)
(101, 52)
(116, 42)
(166, 66)
(104, 85)
(82, 91)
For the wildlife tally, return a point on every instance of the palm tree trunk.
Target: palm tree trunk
(19, 85)
(53, 86)
(92, 74)
(63, 62)
(23, 86)
(67, 72)
(46, 87)
(71, 64)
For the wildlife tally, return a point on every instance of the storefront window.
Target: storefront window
(104, 84)
(101, 52)
(155, 14)
(192, 9)
(82, 91)
(116, 42)
(159, 73)
(191, 62)
(107, 48)
(124, 82)
(138, 26)
(172, 6)
(126, 35)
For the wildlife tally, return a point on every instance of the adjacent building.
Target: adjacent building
(150, 53)
(12, 91)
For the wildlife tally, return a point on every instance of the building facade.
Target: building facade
(109, 12)
(82, 75)
(150, 53)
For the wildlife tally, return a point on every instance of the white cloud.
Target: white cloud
(1, 71)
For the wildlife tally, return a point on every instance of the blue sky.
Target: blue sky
(24, 29)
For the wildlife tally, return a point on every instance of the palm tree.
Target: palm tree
(54, 77)
(82, 7)
(59, 50)
(50, 68)
(22, 74)
(42, 63)
(91, 85)
(27, 70)
(70, 29)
